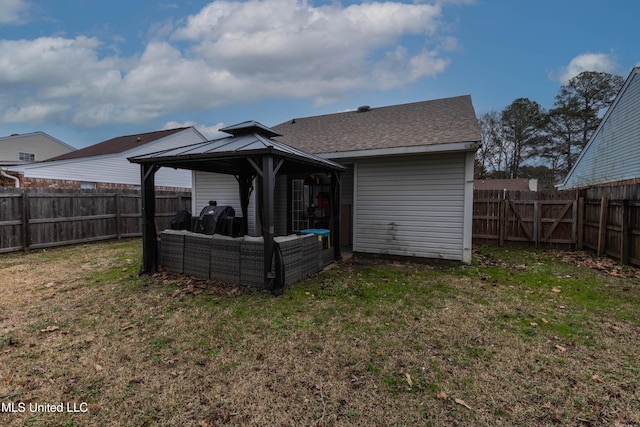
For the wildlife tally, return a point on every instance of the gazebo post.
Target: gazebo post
(268, 228)
(335, 207)
(244, 183)
(149, 235)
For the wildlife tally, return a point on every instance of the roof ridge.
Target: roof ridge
(373, 108)
(118, 144)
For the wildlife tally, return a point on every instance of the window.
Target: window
(88, 185)
(27, 157)
(299, 203)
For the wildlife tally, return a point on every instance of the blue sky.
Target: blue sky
(85, 70)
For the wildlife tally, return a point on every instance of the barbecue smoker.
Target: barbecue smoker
(216, 219)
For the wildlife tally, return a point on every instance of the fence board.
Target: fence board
(41, 218)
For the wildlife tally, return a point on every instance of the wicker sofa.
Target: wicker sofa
(239, 260)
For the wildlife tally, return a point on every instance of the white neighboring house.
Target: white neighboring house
(105, 165)
(612, 155)
(19, 149)
(408, 190)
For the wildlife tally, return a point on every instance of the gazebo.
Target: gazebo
(248, 153)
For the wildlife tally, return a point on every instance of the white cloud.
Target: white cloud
(36, 112)
(230, 52)
(586, 62)
(209, 132)
(12, 11)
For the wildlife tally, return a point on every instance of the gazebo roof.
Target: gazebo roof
(231, 154)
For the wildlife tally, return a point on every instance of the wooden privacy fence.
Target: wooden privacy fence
(502, 217)
(586, 219)
(41, 218)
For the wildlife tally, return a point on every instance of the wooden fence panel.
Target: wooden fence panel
(69, 217)
(591, 224)
(605, 220)
(11, 222)
(613, 235)
(520, 221)
(130, 215)
(519, 217)
(557, 222)
(487, 217)
(40, 218)
(634, 233)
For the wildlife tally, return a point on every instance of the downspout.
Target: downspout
(3, 172)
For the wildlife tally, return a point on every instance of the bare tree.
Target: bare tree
(491, 156)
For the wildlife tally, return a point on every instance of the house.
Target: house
(612, 155)
(105, 165)
(407, 189)
(19, 149)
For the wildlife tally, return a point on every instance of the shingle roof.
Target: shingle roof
(118, 144)
(441, 121)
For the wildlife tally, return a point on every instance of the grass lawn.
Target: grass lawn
(520, 338)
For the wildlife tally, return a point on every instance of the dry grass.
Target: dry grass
(523, 338)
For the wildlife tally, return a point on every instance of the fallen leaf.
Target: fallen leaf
(441, 395)
(462, 403)
(545, 321)
(99, 367)
(50, 328)
(409, 380)
(127, 326)
(561, 349)
(533, 324)
(50, 284)
(556, 289)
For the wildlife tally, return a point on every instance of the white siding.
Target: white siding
(613, 154)
(224, 190)
(346, 186)
(115, 168)
(112, 169)
(39, 143)
(411, 206)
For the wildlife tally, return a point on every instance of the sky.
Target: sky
(85, 71)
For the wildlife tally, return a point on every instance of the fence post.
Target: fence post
(602, 224)
(502, 221)
(537, 222)
(118, 217)
(580, 224)
(26, 232)
(625, 232)
(574, 221)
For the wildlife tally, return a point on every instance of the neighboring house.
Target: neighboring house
(408, 190)
(612, 155)
(518, 184)
(105, 165)
(30, 147)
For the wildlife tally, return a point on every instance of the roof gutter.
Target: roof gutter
(3, 172)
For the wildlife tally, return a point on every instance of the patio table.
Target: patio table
(321, 232)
